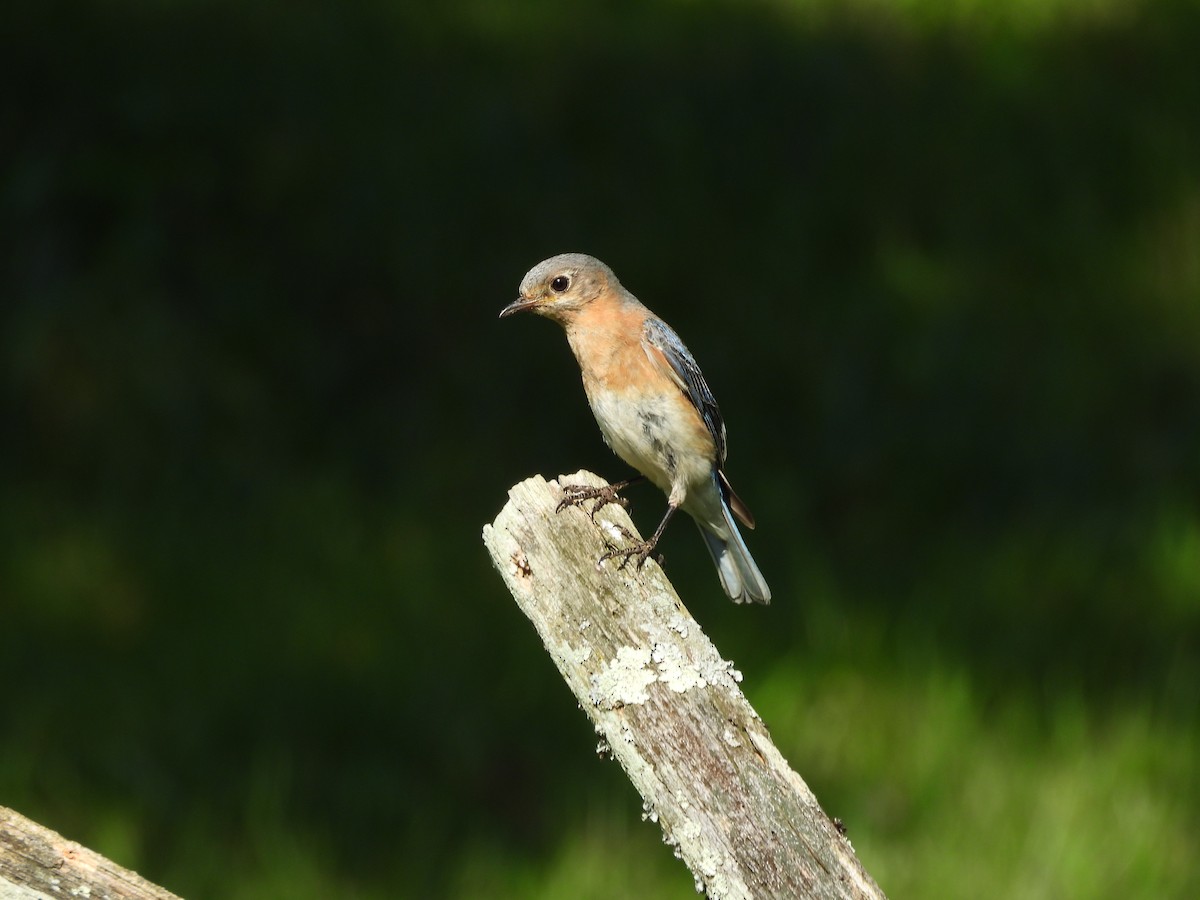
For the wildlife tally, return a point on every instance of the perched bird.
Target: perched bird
(653, 406)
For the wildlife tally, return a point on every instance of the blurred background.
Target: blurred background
(941, 265)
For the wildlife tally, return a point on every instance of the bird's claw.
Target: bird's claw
(577, 494)
(640, 551)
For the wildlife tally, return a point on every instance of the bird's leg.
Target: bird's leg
(575, 494)
(643, 549)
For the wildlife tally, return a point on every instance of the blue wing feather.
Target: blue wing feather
(659, 335)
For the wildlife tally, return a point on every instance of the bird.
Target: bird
(653, 406)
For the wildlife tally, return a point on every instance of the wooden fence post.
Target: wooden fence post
(667, 705)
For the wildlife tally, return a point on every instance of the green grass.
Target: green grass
(946, 793)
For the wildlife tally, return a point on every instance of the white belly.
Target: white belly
(655, 435)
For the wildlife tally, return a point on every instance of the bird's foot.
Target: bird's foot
(578, 494)
(638, 553)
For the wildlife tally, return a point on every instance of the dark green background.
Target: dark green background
(942, 270)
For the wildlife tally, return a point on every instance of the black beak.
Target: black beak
(518, 305)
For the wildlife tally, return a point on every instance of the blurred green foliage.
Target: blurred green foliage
(941, 263)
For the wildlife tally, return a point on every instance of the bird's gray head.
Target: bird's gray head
(560, 286)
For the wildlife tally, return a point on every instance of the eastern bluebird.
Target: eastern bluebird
(653, 406)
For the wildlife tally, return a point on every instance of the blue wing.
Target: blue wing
(690, 379)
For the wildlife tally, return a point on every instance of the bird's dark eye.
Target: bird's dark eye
(560, 284)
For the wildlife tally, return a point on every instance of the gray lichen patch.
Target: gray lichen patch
(623, 681)
(675, 670)
(573, 656)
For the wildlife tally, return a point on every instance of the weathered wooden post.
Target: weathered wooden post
(37, 863)
(668, 706)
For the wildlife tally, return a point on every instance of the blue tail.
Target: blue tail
(739, 575)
